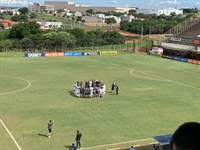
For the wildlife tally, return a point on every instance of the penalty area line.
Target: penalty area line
(10, 135)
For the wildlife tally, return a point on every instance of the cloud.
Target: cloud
(15, 2)
(115, 2)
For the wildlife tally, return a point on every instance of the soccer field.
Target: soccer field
(156, 95)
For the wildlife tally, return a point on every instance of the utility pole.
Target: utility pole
(142, 33)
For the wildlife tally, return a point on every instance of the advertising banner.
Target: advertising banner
(108, 53)
(34, 54)
(167, 56)
(54, 54)
(90, 53)
(196, 41)
(194, 61)
(184, 59)
(73, 54)
(175, 39)
(186, 40)
(177, 58)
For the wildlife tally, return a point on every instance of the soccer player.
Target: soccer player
(49, 126)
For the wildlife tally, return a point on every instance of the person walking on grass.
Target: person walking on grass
(49, 126)
(78, 139)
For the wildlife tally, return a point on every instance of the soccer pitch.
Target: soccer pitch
(156, 95)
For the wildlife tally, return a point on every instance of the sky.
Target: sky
(141, 4)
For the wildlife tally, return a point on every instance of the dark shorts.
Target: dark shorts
(49, 130)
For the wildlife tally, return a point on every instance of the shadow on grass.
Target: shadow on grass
(44, 135)
(72, 93)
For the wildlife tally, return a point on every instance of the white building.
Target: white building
(50, 25)
(168, 11)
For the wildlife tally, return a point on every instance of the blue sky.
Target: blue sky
(148, 4)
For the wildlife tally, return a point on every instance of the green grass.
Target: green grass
(156, 95)
(51, 17)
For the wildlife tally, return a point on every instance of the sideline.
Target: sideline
(118, 143)
(10, 135)
(29, 84)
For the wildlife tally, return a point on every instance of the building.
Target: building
(7, 23)
(166, 11)
(42, 8)
(83, 8)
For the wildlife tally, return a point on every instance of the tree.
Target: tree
(110, 21)
(1, 26)
(64, 40)
(24, 10)
(6, 44)
(27, 43)
(90, 11)
(19, 18)
(23, 30)
(113, 37)
(33, 15)
(132, 12)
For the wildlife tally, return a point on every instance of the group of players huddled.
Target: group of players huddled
(89, 89)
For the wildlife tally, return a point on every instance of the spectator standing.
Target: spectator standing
(117, 88)
(78, 139)
(49, 126)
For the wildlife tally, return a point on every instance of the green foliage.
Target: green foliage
(90, 11)
(6, 44)
(4, 34)
(152, 24)
(19, 18)
(24, 10)
(22, 30)
(110, 21)
(33, 15)
(1, 26)
(132, 12)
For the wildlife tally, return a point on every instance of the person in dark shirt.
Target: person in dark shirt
(112, 87)
(78, 139)
(117, 88)
(49, 126)
(186, 137)
(72, 147)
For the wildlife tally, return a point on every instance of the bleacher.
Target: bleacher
(190, 36)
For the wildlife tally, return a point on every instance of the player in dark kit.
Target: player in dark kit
(117, 89)
(112, 87)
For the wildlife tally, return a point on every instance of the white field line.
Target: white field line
(29, 84)
(162, 79)
(175, 68)
(10, 135)
(118, 143)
